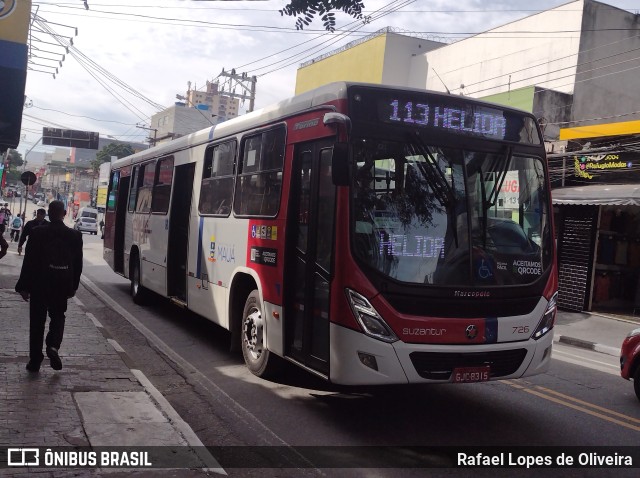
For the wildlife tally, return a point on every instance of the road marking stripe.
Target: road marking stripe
(582, 402)
(561, 352)
(549, 396)
(582, 409)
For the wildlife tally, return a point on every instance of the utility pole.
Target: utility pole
(152, 142)
(247, 83)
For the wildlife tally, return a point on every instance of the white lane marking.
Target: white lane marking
(585, 362)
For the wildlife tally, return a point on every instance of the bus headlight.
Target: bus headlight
(369, 319)
(548, 318)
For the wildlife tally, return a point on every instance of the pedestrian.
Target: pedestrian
(39, 220)
(16, 227)
(50, 275)
(5, 214)
(101, 228)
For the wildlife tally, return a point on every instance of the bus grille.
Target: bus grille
(439, 366)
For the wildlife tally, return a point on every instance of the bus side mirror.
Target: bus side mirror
(340, 164)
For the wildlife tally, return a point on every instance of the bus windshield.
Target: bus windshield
(446, 216)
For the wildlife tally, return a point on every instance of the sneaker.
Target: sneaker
(54, 358)
(33, 366)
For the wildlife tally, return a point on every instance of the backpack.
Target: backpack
(58, 264)
(17, 223)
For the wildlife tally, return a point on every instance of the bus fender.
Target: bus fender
(243, 281)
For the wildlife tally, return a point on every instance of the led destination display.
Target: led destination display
(436, 112)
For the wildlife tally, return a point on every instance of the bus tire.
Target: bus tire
(258, 359)
(138, 292)
(636, 381)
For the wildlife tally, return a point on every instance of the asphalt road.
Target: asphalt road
(580, 402)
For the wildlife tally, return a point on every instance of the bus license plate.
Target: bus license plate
(471, 374)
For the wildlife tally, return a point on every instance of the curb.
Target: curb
(586, 344)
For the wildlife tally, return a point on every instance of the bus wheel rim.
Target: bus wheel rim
(253, 333)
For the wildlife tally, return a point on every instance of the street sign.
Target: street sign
(28, 178)
(70, 138)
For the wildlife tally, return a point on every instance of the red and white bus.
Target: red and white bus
(370, 234)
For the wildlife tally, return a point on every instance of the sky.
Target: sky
(153, 48)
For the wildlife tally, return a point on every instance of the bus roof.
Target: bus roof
(330, 92)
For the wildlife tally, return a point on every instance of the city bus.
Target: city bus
(368, 234)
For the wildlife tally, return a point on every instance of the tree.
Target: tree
(112, 149)
(306, 10)
(14, 163)
(15, 159)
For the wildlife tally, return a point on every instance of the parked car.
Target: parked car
(86, 224)
(630, 359)
(41, 203)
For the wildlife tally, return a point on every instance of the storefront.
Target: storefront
(596, 198)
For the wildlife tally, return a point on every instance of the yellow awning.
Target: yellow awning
(598, 130)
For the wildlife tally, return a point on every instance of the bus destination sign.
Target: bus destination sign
(440, 113)
(484, 122)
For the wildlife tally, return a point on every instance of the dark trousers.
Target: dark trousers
(38, 308)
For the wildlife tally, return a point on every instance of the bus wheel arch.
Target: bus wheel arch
(247, 325)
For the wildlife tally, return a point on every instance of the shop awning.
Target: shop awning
(599, 194)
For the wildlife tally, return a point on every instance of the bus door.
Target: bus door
(178, 244)
(309, 256)
(120, 224)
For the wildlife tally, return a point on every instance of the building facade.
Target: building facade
(385, 57)
(179, 120)
(220, 106)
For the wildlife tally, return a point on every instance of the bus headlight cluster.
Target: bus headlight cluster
(548, 318)
(369, 319)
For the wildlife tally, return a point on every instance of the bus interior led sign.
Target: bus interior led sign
(481, 122)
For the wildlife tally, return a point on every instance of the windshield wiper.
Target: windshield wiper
(432, 174)
(443, 192)
(495, 191)
(497, 185)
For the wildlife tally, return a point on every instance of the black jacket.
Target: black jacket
(34, 276)
(28, 227)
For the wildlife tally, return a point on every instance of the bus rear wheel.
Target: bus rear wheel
(259, 360)
(138, 292)
(636, 381)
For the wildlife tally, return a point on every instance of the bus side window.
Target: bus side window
(260, 180)
(162, 186)
(216, 190)
(133, 189)
(146, 179)
(113, 191)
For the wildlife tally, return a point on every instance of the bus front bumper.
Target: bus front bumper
(356, 359)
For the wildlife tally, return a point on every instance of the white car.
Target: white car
(86, 224)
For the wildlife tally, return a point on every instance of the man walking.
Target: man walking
(50, 275)
(28, 227)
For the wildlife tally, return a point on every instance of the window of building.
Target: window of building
(259, 183)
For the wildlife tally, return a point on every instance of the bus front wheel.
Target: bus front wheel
(138, 292)
(259, 360)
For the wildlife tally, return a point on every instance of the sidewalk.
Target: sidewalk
(95, 400)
